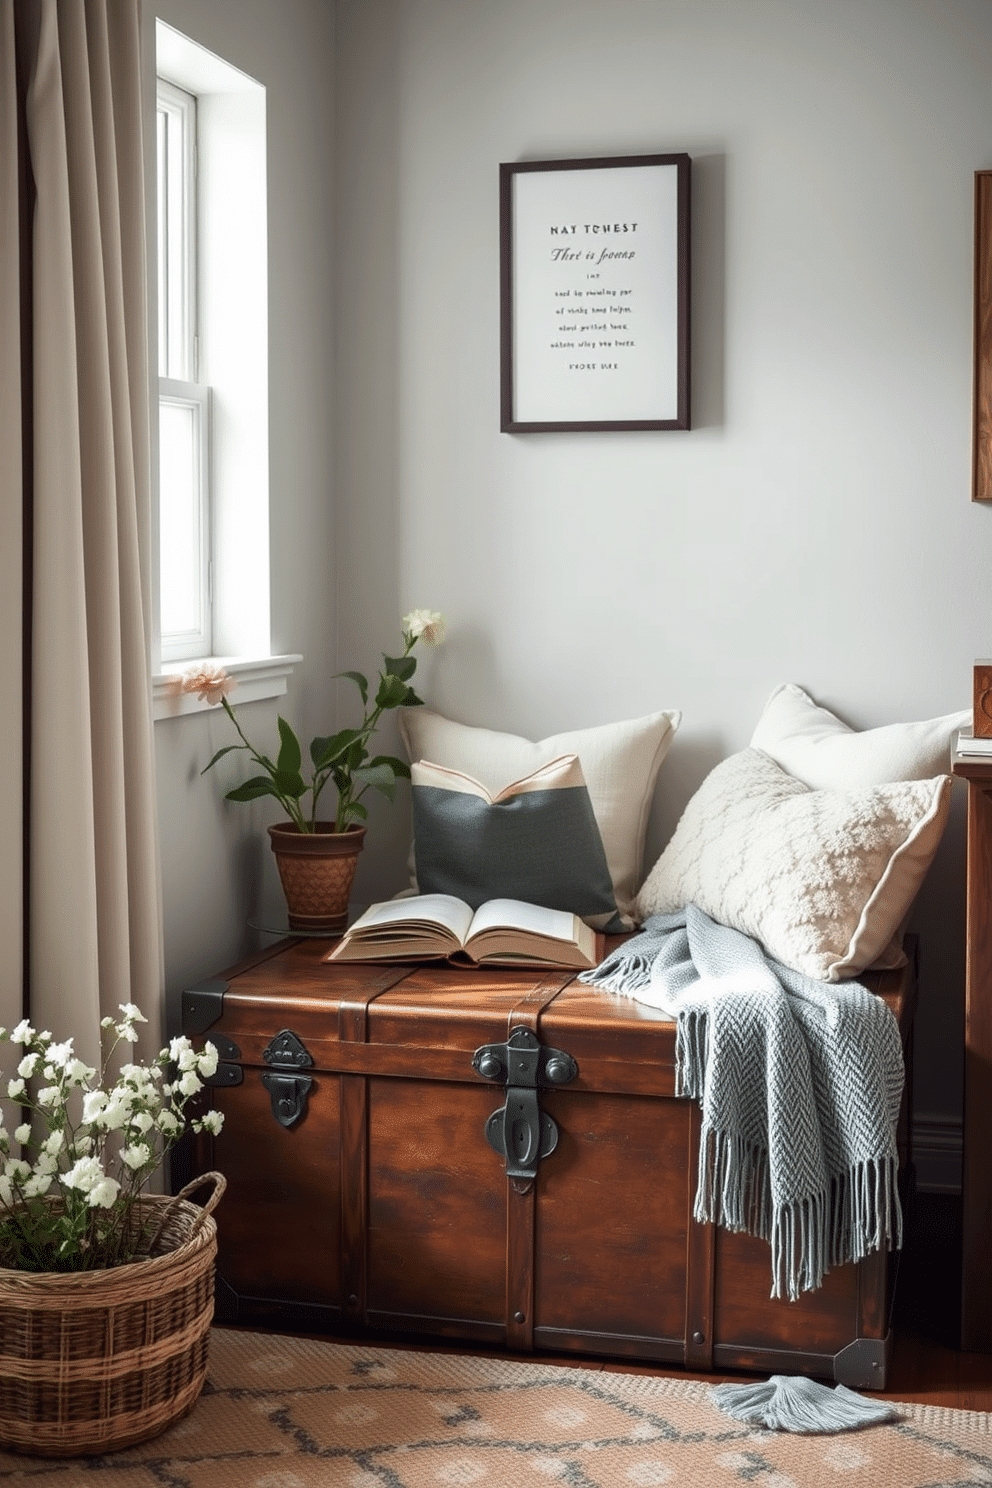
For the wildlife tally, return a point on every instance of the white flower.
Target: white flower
(6, 1189)
(190, 1083)
(167, 1124)
(46, 1163)
(26, 1067)
(107, 1022)
(113, 1116)
(49, 1095)
(212, 1122)
(207, 1063)
(23, 1033)
(103, 1195)
(54, 1143)
(84, 1174)
(78, 1073)
(15, 1089)
(427, 625)
(132, 1013)
(93, 1103)
(16, 1169)
(39, 1183)
(136, 1156)
(60, 1054)
(142, 1120)
(23, 1133)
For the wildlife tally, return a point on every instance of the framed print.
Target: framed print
(594, 294)
(981, 426)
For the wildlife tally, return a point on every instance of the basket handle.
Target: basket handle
(219, 1182)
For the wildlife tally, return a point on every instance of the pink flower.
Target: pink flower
(210, 683)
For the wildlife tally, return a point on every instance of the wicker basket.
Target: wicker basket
(97, 1360)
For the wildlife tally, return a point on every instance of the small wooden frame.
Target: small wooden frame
(981, 465)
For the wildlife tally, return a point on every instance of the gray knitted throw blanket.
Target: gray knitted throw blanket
(799, 1082)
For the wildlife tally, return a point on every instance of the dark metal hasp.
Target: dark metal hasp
(520, 1131)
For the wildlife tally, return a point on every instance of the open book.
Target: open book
(501, 932)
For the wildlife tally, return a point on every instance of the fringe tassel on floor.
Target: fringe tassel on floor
(795, 1403)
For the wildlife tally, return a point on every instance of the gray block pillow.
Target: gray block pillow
(536, 840)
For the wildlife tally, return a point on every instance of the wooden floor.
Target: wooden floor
(927, 1365)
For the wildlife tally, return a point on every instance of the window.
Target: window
(212, 526)
(184, 404)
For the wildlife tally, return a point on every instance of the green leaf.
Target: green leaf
(392, 693)
(359, 681)
(290, 755)
(259, 785)
(324, 751)
(220, 755)
(398, 766)
(380, 777)
(354, 808)
(290, 783)
(400, 666)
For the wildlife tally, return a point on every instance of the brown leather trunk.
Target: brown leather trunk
(364, 1106)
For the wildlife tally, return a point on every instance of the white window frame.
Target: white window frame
(229, 360)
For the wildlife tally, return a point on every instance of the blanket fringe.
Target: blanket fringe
(858, 1214)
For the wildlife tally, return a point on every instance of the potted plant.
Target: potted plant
(106, 1292)
(317, 857)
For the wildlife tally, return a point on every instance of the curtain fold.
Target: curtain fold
(93, 921)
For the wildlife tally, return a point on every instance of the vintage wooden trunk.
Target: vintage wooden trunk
(497, 1157)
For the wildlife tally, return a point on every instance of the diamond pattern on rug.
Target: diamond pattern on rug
(282, 1412)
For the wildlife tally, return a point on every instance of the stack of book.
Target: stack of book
(973, 746)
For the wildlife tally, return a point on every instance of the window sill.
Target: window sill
(265, 677)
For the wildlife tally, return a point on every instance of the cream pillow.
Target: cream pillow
(620, 763)
(817, 748)
(821, 878)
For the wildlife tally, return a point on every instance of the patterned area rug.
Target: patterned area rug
(302, 1413)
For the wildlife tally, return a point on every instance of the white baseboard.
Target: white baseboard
(938, 1147)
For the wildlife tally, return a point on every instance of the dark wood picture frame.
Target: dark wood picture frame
(981, 454)
(561, 390)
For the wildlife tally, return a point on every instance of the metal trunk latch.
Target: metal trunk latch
(520, 1131)
(287, 1091)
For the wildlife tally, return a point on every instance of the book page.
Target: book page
(416, 910)
(532, 919)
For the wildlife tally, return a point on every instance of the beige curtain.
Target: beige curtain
(81, 900)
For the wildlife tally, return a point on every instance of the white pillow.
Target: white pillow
(817, 748)
(821, 878)
(620, 762)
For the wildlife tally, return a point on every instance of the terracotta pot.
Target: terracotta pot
(317, 870)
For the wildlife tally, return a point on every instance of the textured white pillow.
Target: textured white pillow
(620, 762)
(817, 748)
(821, 878)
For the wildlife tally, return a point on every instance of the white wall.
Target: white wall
(815, 524)
(216, 865)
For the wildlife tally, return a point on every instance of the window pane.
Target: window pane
(163, 245)
(179, 519)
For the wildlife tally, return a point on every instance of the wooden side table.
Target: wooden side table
(976, 1273)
